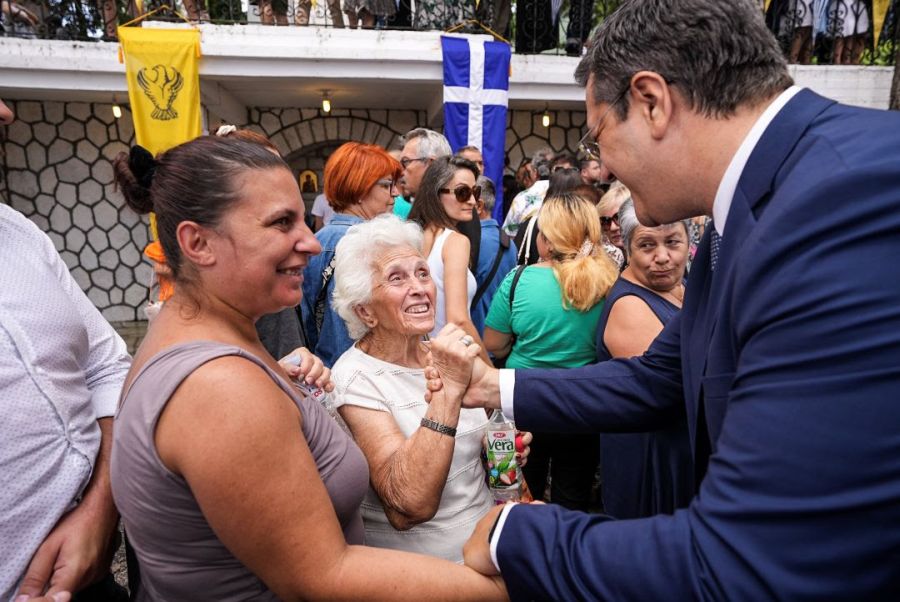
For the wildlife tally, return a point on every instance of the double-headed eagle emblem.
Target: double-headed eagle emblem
(161, 84)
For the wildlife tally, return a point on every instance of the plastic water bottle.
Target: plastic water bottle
(504, 474)
(314, 392)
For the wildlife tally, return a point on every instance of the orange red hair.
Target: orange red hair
(352, 171)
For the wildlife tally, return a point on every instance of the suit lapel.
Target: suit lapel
(707, 348)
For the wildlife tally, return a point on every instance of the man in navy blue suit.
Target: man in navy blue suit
(785, 357)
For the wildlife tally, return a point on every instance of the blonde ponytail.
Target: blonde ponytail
(584, 272)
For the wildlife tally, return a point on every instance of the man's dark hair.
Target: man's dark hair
(717, 53)
(564, 158)
(563, 181)
(541, 160)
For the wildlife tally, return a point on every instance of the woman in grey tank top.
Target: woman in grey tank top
(231, 485)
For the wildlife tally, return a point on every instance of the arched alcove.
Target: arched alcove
(306, 137)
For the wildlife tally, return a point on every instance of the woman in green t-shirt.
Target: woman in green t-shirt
(552, 323)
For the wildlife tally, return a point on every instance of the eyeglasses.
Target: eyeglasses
(405, 161)
(606, 222)
(463, 192)
(386, 183)
(589, 144)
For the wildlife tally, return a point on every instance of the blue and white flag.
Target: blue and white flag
(476, 90)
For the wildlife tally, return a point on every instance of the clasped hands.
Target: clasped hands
(455, 367)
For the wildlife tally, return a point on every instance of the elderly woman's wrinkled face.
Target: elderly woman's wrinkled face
(402, 293)
(659, 256)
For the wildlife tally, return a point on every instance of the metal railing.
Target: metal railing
(841, 34)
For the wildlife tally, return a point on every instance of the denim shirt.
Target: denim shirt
(333, 340)
(490, 241)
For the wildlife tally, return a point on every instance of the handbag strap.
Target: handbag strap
(319, 307)
(490, 277)
(512, 288)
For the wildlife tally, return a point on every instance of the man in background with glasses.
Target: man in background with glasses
(421, 146)
(785, 357)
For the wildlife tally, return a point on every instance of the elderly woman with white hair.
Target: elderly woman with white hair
(644, 473)
(427, 483)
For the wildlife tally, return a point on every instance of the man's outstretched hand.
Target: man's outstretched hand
(477, 551)
(448, 365)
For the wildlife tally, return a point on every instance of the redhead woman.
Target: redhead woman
(447, 196)
(360, 183)
(232, 485)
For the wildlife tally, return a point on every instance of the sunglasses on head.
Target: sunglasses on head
(463, 192)
(608, 221)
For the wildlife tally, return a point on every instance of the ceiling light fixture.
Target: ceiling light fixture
(116, 109)
(545, 118)
(326, 102)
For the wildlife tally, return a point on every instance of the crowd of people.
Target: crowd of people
(305, 418)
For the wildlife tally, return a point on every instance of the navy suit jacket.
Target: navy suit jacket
(787, 360)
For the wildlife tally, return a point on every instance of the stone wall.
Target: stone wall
(305, 137)
(58, 172)
(57, 157)
(525, 134)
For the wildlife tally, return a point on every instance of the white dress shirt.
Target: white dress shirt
(721, 206)
(61, 368)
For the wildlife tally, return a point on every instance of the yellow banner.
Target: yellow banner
(766, 8)
(163, 85)
(879, 10)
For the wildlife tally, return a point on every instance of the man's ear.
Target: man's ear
(195, 244)
(366, 315)
(652, 97)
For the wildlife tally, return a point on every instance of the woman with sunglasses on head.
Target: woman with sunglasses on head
(545, 316)
(447, 196)
(608, 208)
(359, 184)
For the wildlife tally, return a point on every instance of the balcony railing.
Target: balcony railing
(842, 34)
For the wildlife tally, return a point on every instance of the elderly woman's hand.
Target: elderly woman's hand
(452, 355)
(302, 365)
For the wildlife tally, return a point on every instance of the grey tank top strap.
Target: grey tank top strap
(165, 371)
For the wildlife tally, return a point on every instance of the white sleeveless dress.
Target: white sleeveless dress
(436, 265)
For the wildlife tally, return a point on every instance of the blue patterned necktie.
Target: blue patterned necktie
(714, 242)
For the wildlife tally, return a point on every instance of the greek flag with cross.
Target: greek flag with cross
(476, 89)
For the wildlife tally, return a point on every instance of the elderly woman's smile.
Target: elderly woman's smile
(402, 293)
